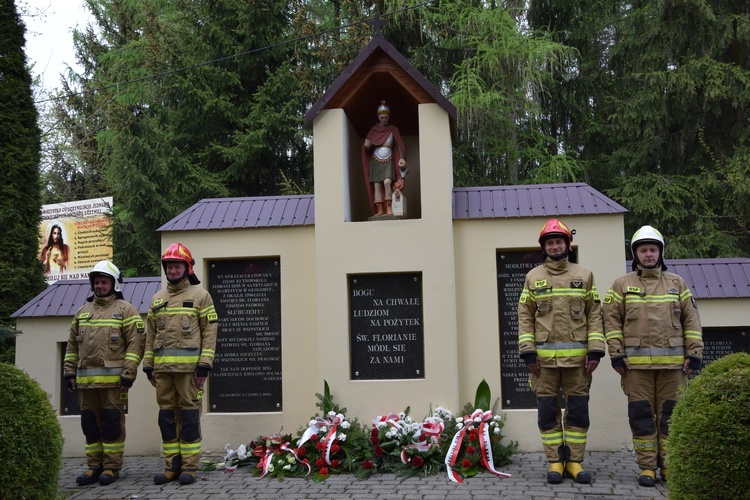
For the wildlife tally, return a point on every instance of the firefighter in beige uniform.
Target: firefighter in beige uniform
(561, 341)
(180, 344)
(655, 339)
(104, 350)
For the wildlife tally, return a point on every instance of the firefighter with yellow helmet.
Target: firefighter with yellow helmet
(561, 342)
(105, 347)
(180, 344)
(655, 339)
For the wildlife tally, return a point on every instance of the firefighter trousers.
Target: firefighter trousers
(180, 405)
(652, 395)
(103, 425)
(564, 440)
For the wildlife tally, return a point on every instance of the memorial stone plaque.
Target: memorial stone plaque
(514, 376)
(720, 342)
(246, 375)
(386, 336)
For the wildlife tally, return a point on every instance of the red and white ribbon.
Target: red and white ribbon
(482, 418)
(331, 422)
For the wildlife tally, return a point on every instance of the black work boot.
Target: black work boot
(89, 477)
(109, 476)
(187, 477)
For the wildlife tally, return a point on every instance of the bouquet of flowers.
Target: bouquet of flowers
(277, 458)
(477, 440)
(403, 446)
(331, 444)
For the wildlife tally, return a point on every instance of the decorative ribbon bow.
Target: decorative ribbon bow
(270, 452)
(391, 420)
(432, 431)
(332, 422)
(483, 418)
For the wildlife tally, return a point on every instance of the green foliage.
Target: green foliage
(21, 273)
(30, 438)
(709, 438)
(483, 395)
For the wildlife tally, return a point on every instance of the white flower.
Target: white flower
(477, 419)
(341, 436)
(496, 430)
(290, 458)
(311, 423)
(331, 414)
(459, 419)
(242, 452)
(339, 416)
(270, 468)
(287, 467)
(345, 424)
(460, 425)
(402, 415)
(390, 433)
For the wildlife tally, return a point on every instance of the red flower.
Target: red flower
(335, 448)
(374, 431)
(367, 464)
(470, 449)
(319, 462)
(473, 435)
(466, 463)
(319, 446)
(334, 463)
(305, 461)
(374, 439)
(301, 451)
(417, 462)
(378, 451)
(314, 437)
(259, 451)
(324, 471)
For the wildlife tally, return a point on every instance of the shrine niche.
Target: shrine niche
(381, 77)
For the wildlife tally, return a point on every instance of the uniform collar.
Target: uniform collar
(557, 266)
(649, 273)
(179, 287)
(104, 301)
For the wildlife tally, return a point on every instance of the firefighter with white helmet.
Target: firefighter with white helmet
(105, 347)
(180, 344)
(655, 340)
(561, 342)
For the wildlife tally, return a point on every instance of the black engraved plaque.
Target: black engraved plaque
(720, 342)
(246, 376)
(386, 336)
(514, 376)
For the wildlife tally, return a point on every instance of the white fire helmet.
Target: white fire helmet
(106, 268)
(648, 234)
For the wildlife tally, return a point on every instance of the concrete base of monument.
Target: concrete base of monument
(386, 217)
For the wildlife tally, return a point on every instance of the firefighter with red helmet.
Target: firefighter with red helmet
(105, 347)
(655, 339)
(561, 342)
(180, 344)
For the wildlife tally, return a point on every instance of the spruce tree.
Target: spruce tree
(21, 274)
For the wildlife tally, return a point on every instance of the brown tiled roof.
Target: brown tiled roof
(540, 200)
(64, 297)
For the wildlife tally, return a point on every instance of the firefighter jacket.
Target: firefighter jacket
(105, 343)
(651, 318)
(180, 329)
(559, 315)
